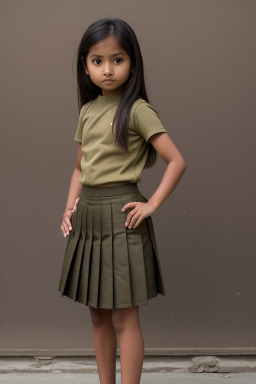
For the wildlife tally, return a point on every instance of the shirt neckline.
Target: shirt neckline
(106, 99)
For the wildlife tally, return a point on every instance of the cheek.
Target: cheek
(94, 73)
(126, 71)
(92, 68)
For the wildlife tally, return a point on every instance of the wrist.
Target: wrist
(153, 204)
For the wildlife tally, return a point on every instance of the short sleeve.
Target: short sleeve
(146, 120)
(79, 129)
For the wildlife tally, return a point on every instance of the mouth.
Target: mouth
(108, 81)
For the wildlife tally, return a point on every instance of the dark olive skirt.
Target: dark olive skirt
(108, 265)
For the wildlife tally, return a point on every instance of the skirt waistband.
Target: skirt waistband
(88, 190)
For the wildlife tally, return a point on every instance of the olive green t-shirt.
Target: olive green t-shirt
(105, 163)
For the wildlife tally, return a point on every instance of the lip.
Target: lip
(108, 81)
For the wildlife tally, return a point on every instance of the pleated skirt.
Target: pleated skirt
(106, 264)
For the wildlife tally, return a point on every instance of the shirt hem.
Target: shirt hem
(154, 132)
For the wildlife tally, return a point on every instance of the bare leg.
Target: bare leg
(126, 323)
(105, 343)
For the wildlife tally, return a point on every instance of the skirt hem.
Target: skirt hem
(109, 307)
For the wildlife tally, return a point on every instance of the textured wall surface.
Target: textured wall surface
(199, 60)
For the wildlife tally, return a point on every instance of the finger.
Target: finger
(134, 213)
(137, 222)
(68, 222)
(137, 219)
(129, 205)
(67, 225)
(133, 221)
(64, 230)
(130, 216)
(133, 218)
(77, 200)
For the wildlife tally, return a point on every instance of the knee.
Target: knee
(118, 322)
(99, 316)
(123, 319)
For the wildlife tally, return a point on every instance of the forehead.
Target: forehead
(106, 47)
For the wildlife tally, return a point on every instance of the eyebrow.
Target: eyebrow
(115, 54)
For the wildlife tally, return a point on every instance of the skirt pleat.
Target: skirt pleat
(107, 265)
(65, 283)
(106, 277)
(94, 256)
(85, 264)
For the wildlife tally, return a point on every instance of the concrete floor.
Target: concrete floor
(146, 378)
(156, 370)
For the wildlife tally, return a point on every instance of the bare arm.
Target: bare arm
(74, 193)
(75, 188)
(174, 171)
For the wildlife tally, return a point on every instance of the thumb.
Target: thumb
(76, 203)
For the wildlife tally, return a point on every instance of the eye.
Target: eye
(95, 59)
(119, 58)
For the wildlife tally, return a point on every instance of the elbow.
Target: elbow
(180, 163)
(183, 166)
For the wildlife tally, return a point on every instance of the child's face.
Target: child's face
(110, 65)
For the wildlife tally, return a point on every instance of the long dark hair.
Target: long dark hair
(134, 87)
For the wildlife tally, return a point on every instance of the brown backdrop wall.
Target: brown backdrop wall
(199, 59)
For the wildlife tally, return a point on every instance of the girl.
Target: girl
(111, 263)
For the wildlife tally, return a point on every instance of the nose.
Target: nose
(107, 70)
